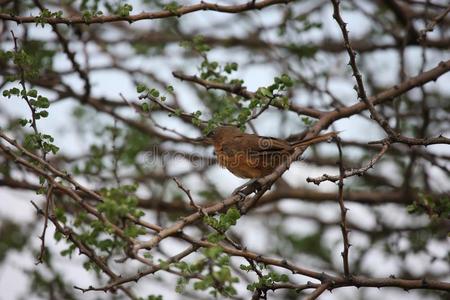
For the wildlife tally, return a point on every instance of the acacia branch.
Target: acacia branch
(318, 291)
(118, 282)
(71, 55)
(392, 134)
(430, 27)
(242, 91)
(335, 280)
(351, 172)
(177, 12)
(344, 210)
(48, 206)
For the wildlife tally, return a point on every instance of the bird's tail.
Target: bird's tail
(315, 140)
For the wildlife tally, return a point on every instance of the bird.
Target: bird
(253, 156)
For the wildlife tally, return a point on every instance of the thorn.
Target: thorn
(424, 282)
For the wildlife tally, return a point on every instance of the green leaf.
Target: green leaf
(215, 237)
(213, 252)
(15, 91)
(154, 93)
(54, 149)
(412, 208)
(32, 93)
(172, 7)
(43, 114)
(265, 92)
(232, 216)
(230, 67)
(307, 121)
(58, 236)
(245, 267)
(42, 102)
(60, 216)
(145, 107)
(140, 88)
(181, 285)
(124, 10)
(23, 122)
(287, 81)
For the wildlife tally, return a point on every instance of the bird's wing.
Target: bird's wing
(256, 145)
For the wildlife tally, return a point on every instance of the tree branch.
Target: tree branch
(178, 12)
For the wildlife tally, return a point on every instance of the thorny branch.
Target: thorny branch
(383, 107)
(351, 172)
(344, 210)
(180, 11)
(48, 210)
(360, 89)
(318, 291)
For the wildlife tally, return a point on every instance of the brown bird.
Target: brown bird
(253, 156)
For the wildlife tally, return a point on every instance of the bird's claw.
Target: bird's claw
(239, 189)
(239, 192)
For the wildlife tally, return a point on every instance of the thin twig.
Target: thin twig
(318, 291)
(27, 100)
(188, 193)
(119, 281)
(48, 204)
(180, 11)
(351, 172)
(343, 209)
(116, 153)
(393, 136)
(430, 27)
(242, 91)
(70, 55)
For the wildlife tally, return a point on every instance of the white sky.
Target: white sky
(16, 204)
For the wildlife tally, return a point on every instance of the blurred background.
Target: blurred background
(84, 83)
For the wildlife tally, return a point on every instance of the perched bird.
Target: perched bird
(253, 156)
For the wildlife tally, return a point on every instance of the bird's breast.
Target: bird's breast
(243, 164)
